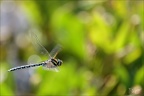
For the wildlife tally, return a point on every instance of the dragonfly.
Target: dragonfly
(50, 64)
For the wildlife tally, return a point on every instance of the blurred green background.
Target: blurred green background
(102, 47)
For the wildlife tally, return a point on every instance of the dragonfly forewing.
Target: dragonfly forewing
(55, 51)
(36, 43)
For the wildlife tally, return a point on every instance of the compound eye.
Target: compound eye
(59, 62)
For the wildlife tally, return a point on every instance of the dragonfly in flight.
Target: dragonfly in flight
(51, 64)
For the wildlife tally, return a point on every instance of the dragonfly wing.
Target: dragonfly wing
(55, 51)
(55, 69)
(50, 67)
(34, 59)
(36, 43)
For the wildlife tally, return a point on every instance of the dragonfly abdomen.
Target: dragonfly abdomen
(26, 66)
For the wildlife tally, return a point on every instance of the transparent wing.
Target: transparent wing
(34, 59)
(37, 45)
(53, 68)
(55, 51)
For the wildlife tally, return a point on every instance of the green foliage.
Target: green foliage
(102, 48)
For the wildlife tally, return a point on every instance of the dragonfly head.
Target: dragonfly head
(59, 62)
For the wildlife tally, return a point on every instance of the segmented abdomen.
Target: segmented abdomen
(26, 66)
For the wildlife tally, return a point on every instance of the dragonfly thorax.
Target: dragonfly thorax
(56, 62)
